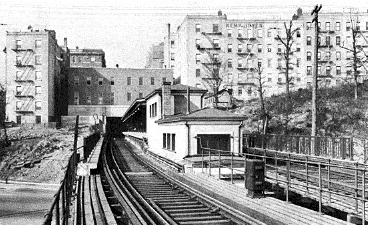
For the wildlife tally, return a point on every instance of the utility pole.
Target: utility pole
(315, 74)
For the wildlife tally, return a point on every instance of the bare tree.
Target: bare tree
(2, 114)
(260, 83)
(359, 56)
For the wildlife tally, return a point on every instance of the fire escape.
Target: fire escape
(25, 94)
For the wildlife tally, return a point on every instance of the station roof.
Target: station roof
(206, 114)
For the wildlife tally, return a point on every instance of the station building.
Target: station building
(36, 77)
(177, 125)
(238, 48)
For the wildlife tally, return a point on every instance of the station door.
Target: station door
(213, 141)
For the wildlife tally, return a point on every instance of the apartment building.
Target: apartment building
(110, 91)
(238, 52)
(35, 77)
(87, 58)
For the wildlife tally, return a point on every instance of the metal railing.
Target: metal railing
(334, 147)
(60, 207)
(337, 183)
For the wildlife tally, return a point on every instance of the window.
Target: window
(278, 63)
(18, 44)
(249, 47)
(249, 90)
(76, 98)
(298, 47)
(38, 119)
(309, 56)
(328, 70)
(319, 55)
(240, 64)
(327, 26)
(328, 40)
(338, 70)
(129, 81)
(198, 27)
(240, 33)
(319, 70)
(250, 33)
(337, 26)
(89, 81)
(164, 79)
(279, 80)
(298, 62)
(298, 34)
(259, 33)
(215, 28)
(76, 80)
(140, 95)
(319, 25)
(38, 43)
(269, 33)
(38, 105)
(348, 70)
(18, 90)
(230, 76)
(229, 33)
(100, 98)
(240, 91)
(18, 75)
(259, 63)
(88, 99)
(309, 40)
(112, 81)
(129, 96)
(73, 59)
(269, 79)
(338, 56)
(259, 47)
(338, 40)
(141, 81)
(152, 81)
(172, 56)
(93, 59)
(347, 26)
(216, 43)
(172, 43)
(269, 48)
(230, 63)
(357, 25)
(38, 90)
(269, 63)
(18, 60)
(366, 25)
(198, 58)
(278, 47)
(309, 25)
(168, 141)
(198, 72)
(328, 55)
(240, 47)
(18, 105)
(153, 109)
(240, 77)
(229, 48)
(38, 60)
(309, 70)
(198, 43)
(112, 98)
(100, 81)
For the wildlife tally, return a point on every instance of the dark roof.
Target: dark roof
(87, 51)
(178, 88)
(133, 107)
(206, 114)
(120, 72)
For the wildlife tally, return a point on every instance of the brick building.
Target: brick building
(35, 77)
(155, 58)
(238, 47)
(110, 91)
(87, 58)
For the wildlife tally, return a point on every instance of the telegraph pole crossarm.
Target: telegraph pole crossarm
(315, 74)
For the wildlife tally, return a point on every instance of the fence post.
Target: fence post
(202, 160)
(245, 171)
(329, 181)
(351, 148)
(333, 147)
(219, 164)
(287, 178)
(209, 166)
(363, 196)
(276, 168)
(231, 166)
(356, 187)
(307, 172)
(320, 187)
(57, 210)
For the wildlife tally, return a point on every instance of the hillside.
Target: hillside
(339, 114)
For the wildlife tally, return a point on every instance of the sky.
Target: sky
(125, 30)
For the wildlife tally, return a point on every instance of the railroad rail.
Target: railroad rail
(149, 196)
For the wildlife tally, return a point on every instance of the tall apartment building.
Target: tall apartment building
(239, 47)
(87, 58)
(155, 57)
(35, 77)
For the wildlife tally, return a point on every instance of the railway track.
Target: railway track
(148, 196)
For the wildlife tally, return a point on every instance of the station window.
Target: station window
(153, 110)
(168, 141)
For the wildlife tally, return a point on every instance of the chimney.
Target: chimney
(65, 42)
(168, 45)
(188, 100)
(77, 47)
(117, 65)
(166, 99)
